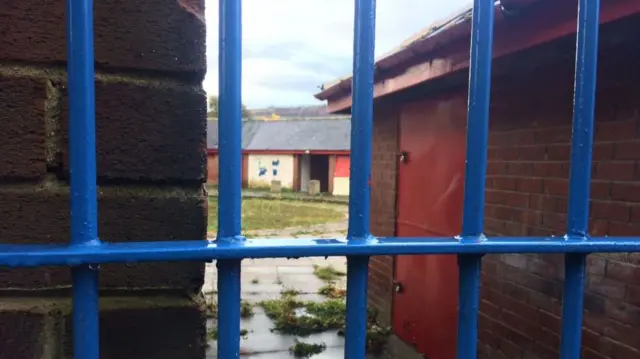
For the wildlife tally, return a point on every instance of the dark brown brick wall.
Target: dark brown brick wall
(126, 34)
(383, 206)
(151, 153)
(527, 184)
(527, 189)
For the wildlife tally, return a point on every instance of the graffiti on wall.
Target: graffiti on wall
(262, 168)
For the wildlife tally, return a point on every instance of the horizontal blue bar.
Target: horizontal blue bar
(200, 250)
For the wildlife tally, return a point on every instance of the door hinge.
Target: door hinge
(398, 287)
(404, 157)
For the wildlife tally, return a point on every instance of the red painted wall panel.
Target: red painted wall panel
(342, 166)
(430, 197)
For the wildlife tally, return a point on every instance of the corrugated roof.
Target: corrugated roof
(290, 135)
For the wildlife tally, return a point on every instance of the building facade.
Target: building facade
(418, 176)
(292, 152)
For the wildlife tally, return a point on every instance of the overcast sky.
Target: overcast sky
(290, 47)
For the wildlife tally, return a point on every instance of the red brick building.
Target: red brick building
(151, 153)
(420, 111)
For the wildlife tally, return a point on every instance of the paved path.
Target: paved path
(266, 279)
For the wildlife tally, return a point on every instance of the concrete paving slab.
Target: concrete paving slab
(293, 269)
(262, 341)
(329, 353)
(273, 275)
(305, 283)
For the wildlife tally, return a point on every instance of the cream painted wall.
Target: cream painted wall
(305, 172)
(261, 170)
(340, 186)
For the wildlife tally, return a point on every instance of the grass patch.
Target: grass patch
(303, 318)
(246, 309)
(331, 291)
(327, 273)
(306, 350)
(290, 292)
(211, 308)
(212, 333)
(307, 233)
(292, 316)
(276, 214)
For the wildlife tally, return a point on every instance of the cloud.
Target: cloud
(290, 47)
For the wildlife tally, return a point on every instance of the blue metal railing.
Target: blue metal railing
(86, 252)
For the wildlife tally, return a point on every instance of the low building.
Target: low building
(292, 152)
(420, 115)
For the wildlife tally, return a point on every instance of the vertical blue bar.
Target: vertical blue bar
(230, 121)
(82, 147)
(478, 117)
(229, 289)
(583, 117)
(362, 118)
(230, 182)
(361, 141)
(475, 175)
(580, 176)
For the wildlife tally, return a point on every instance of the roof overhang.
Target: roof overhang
(443, 48)
(290, 152)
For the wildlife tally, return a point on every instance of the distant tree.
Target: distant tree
(212, 110)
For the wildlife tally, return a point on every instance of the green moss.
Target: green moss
(212, 309)
(212, 333)
(246, 309)
(295, 317)
(306, 350)
(302, 318)
(290, 292)
(331, 291)
(327, 273)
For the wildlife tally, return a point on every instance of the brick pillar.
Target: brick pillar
(383, 207)
(151, 166)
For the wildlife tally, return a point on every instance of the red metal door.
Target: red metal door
(430, 197)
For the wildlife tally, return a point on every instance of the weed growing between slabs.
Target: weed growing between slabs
(306, 350)
(303, 318)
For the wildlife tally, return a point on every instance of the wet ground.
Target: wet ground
(265, 279)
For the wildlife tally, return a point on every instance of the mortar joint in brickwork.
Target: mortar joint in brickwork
(28, 70)
(50, 183)
(62, 306)
(149, 78)
(53, 139)
(52, 335)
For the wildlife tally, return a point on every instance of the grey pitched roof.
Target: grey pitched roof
(290, 135)
(249, 128)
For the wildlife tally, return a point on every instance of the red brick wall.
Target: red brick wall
(383, 206)
(212, 169)
(527, 187)
(527, 184)
(151, 166)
